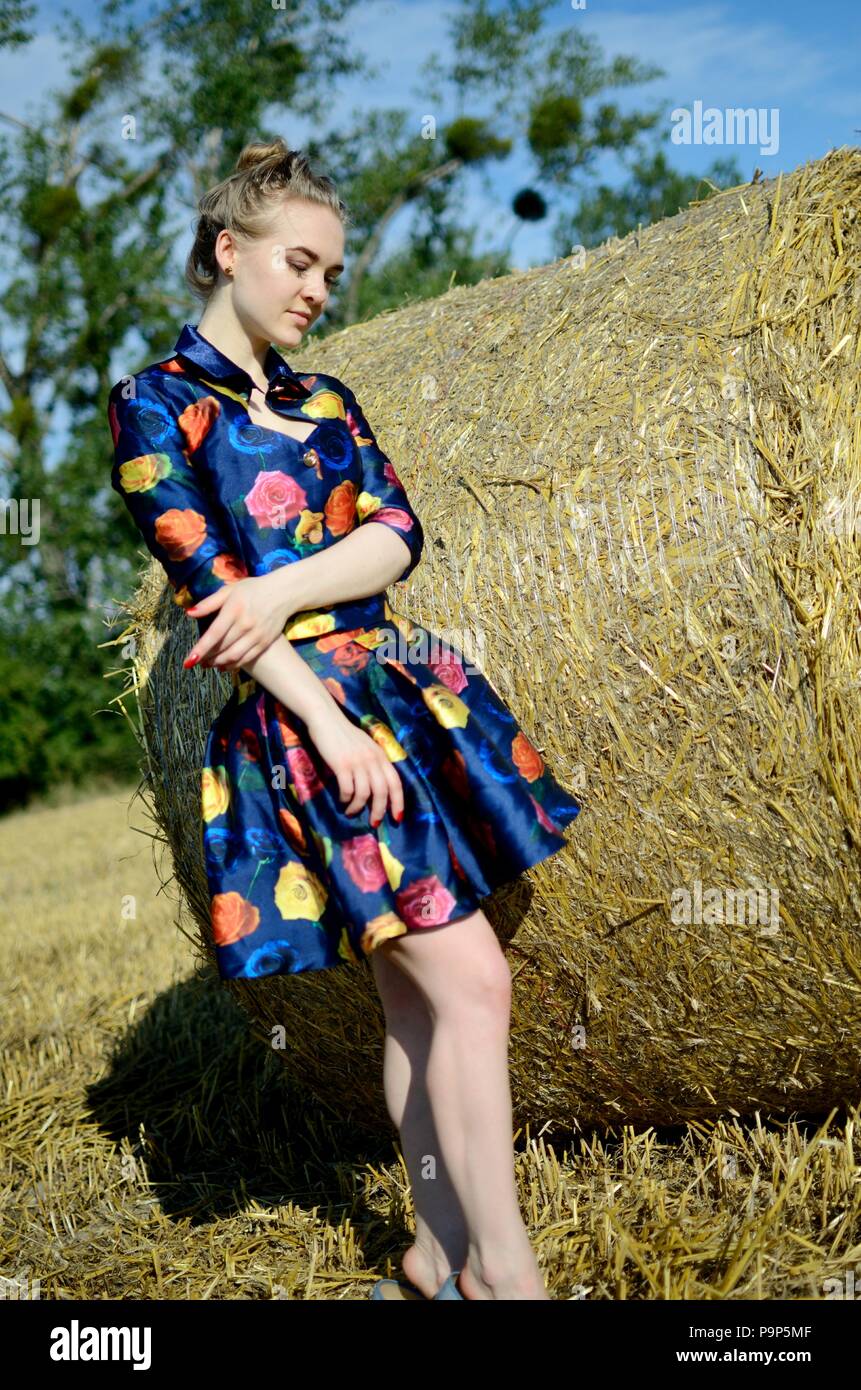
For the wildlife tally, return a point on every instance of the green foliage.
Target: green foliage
(653, 191)
(56, 729)
(98, 198)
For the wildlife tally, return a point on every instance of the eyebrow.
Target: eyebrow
(313, 256)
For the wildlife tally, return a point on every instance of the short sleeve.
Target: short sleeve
(383, 498)
(167, 499)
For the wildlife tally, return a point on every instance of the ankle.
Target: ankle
(507, 1272)
(447, 1248)
(438, 1257)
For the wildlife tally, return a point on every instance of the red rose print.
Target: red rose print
(526, 759)
(232, 917)
(249, 745)
(197, 420)
(364, 863)
(425, 903)
(351, 657)
(453, 770)
(303, 774)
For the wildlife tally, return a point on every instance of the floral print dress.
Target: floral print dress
(295, 883)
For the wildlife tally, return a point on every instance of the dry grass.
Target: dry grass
(641, 479)
(151, 1149)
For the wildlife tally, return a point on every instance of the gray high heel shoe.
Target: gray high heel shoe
(449, 1289)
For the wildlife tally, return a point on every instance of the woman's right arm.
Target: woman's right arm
(360, 764)
(174, 514)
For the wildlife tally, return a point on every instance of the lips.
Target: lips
(306, 318)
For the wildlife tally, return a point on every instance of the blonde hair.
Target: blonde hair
(246, 201)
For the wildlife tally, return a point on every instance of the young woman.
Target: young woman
(363, 788)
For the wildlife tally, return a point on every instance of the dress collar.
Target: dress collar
(205, 358)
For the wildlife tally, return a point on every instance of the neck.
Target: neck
(220, 326)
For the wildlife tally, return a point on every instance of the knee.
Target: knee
(486, 985)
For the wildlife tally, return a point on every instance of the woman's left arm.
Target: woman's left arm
(359, 565)
(367, 560)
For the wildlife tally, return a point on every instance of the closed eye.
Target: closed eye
(330, 280)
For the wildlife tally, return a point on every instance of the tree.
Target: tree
(99, 197)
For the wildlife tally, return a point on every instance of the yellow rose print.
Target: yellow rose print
(379, 929)
(311, 623)
(214, 792)
(345, 950)
(367, 504)
(299, 894)
(223, 390)
(446, 707)
(374, 637)
(383, 735)
(405, 627)
(393, 867)
(294, 883)
(309, 527)
(325, 405)
(324, 845)
(142, 473)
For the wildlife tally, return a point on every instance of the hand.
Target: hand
(251, 614)
(360, 765)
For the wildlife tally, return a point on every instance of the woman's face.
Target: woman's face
(292, 268)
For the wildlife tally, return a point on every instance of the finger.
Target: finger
(225, 632)
(396, 790)
(379, 793)
(235, 655)
(345, 783)
(362, 790)
(210, 603)
(209, 642)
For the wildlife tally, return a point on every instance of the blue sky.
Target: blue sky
(799, 59)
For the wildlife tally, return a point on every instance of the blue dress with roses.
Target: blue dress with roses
(295, 883)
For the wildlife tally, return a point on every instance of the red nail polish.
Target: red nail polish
(399, 817)
(374, 823)
(190, 661)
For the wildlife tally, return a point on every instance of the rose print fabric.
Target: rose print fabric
(295, 883)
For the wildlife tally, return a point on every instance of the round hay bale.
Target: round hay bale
(639, 473)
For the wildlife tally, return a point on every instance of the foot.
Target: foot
(515, 1280)
(425, 1267)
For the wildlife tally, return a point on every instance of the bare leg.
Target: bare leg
(465, 982)
(441, 1238)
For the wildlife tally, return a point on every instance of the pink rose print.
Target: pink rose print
(425, 902)
(544, 819)
(364, 863)
(303, 774)
(449, 671)
(391, 476)
(275, 499)
(394, 516)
